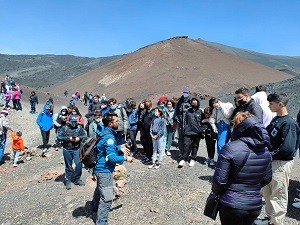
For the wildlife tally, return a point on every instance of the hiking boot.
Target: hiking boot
(168, 153)
(151, 166)
(181, 163)
(79, 182)
(212, 162)
(68, 185)
(192, 163)
(206, 162)
(264, 221)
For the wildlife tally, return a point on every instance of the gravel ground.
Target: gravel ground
(167, 195)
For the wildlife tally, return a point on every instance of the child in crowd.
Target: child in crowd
(17, 145)
(7, 96)
(210, 138)
(170, 125)
(157, 129)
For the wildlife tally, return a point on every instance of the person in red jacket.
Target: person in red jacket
(17, 145)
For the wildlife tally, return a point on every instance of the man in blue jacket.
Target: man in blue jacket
(108, 155)
(45, 122)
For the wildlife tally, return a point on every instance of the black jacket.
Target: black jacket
(284, 137)
(244, 192)
(66, 132)
(251, 107)
(193, 120)
(181, 108)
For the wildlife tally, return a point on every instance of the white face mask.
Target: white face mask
(185, 95)
(98, 120)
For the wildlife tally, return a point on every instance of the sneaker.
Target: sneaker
(16, 165)
(68, 185)
(56, 149)
(157, 165)
(264, 221)
(212, 162)
(79, 182)
(192, 163)
(45, 150)
(151, 166)
(296, 205)
(206, 162)
(168, 153)
(181, 163)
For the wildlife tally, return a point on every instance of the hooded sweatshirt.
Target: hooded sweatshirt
(244, 191)
(57, 120)
(193, 119)
(44, 119)
(261, 99)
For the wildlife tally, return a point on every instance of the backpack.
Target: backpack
(88, 151)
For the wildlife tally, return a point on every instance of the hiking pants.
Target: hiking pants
(45, 137)
(191, 145)
(32, 106)
(132, 135)
(103, 196)
(210, 140)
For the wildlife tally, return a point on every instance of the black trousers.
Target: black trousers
(45, 137)
(146, 140)
(191, 145)
(132, 135)
(229, 216)
(210, 141)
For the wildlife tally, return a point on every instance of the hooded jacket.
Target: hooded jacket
(122, 116)
(193, 120)
(17, 143)
(181, 108)
(16, 94)
(57, 118)
(244, 191)
(44, 119)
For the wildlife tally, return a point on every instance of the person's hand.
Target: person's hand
(129, 159)
(124, 149)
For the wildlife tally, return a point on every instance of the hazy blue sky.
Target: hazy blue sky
(97, 28)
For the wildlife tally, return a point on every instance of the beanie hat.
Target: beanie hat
(4, 110)
(19, 133)
(186, 90)
(73, 118)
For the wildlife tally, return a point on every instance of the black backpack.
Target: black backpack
(88, 151)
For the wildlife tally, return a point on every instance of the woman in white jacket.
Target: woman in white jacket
(220, 120)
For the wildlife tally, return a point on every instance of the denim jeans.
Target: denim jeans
(6, 103)
(223, 135)
(16, 156)
(69, 156)
(229, 216)
(32, 105)
(1, 98)
(158, 148)
(169, 140)
(2, 146)
(103, 196)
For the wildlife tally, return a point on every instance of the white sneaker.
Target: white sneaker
(151, 166)
(15, 165)
(181, 163)
(212, 162)
(192, 163)
(168, 153)
(296, 205)
(264, 221)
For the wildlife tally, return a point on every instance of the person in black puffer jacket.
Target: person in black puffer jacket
(241, 202)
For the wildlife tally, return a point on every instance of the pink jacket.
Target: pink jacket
(16, 94)
(7, 95)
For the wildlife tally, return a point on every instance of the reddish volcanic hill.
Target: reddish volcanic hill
(164, 68)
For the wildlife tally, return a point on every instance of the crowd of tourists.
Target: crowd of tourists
(250, 144)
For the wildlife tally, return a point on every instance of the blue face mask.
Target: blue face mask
(129, 111)
(113, 107)
(160, 106)
(219, 108)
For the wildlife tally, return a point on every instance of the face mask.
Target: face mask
(241, 102)
(73, 123)
(160, 106)
(74, 113)
(219, 108)
(103, 106)
(129, 111)
(63, 113)
(113, 107)
(185, 95)
(98, 120)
